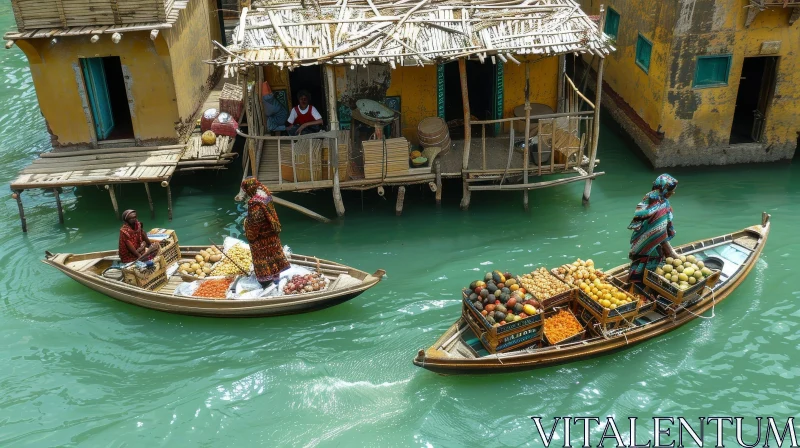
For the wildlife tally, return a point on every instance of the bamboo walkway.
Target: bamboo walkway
(106, 167)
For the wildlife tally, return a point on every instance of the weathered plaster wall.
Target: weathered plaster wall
(416, 87)
(643, 91)
(189, 42)
(701, 118)
(55, 70)
(543, 83)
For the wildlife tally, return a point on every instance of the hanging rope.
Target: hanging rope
(713, 305)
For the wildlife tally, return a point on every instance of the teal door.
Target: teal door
(94, 75)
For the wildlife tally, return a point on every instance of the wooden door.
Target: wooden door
(764, 97)
(94, 77)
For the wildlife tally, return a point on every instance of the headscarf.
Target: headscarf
(256, 190)
(127, 213)
(654, 202)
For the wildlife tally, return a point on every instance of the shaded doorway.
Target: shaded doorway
(107, 97)
(482, 91)
(310, 79)
(756, 87)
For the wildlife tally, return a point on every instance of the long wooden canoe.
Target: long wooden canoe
(88, 269)
(458, 350)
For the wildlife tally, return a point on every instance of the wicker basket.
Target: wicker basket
(676, 295)
(228, 128)
(302, 165)
(230, 100)
(169, 245)
(150, 278)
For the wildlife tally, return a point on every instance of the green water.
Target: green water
(80, 369)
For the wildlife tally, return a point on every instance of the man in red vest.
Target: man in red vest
(304, 118)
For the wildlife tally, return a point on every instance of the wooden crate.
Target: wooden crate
(674, 294)
(575, 338)
(603, 314)
(511, 336)
(150, 278)
(385, 158)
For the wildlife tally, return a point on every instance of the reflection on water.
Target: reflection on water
(82, 368)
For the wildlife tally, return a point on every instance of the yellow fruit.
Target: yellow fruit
(208, 138)
(199, 258)
(692, 280)
(194, 266)
(414, 155)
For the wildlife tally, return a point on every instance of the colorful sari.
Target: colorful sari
(652, 226)
(262, 228)
(132, 235)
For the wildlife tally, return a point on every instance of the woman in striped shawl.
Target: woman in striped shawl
(652, 229)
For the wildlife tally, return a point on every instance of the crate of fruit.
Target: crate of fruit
(546, 288)
(605, 301)
(501, 338)
(150, 278)
(681, 279)
(499, 313)
(168, 242)
(562, 327)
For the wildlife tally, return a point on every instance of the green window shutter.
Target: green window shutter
(712, 70)
(643, 50)
(611, 27)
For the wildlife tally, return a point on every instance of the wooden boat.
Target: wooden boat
(88, 269)
(458, 351)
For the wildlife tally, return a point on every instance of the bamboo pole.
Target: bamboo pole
(587, 189)
(526, 154)
(113, 196)
(462, 71)
(401, 194)
(437, 168)
(56, 192)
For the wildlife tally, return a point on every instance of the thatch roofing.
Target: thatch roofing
(357, 32)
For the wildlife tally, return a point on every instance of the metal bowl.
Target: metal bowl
(714, 263)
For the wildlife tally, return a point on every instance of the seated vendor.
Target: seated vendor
(304, 118)
(133, 241)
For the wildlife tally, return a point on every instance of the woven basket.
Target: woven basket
(150, 278)
(207, 119)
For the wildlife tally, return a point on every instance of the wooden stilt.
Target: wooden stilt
(587, 189)
(113, 195)
(165, 184)
(437, 167)
(337, 192)
(150, 200)
(462, 71)
(401, 194)
(18, 196)
(57, 192)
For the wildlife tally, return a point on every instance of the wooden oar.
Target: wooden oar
(300, 209)
(229, 258)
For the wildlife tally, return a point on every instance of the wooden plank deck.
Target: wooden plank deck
(205, 157)
(107, 167)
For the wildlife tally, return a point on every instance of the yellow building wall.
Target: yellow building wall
(543, 84)
(189, 42)
(644, 91)
(703, 117)
(56, 74)
(416, 87)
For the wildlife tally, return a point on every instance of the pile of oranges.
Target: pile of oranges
(561, 326)
(213, 289)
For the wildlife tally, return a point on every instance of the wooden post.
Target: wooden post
(251, 153)
(331, 97)
(462, 71)
(562, 72)
(150, 200)
(18, 196)
(587, 189)
(113, 195)
(165, 184)
(437, 167)
(401, 194)
(526, 155)
(56, 192)
(337, 193)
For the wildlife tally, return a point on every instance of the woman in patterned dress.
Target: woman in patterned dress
(652, 229)
(133, 241)
(262, 228)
